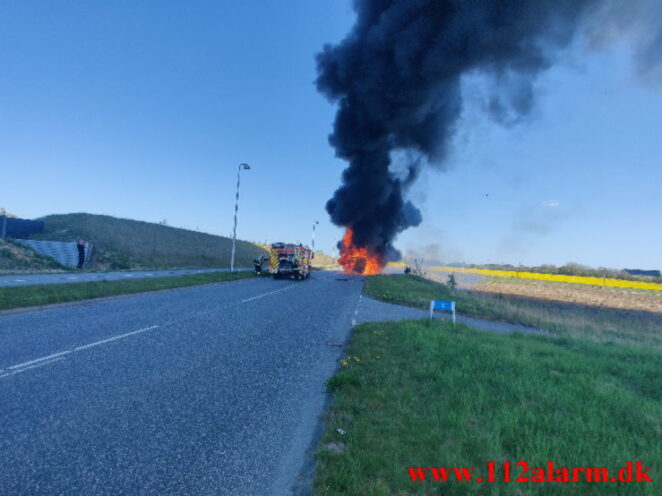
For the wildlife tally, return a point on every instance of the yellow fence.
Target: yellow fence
(593, 281)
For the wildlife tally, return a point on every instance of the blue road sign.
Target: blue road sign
(442, 306)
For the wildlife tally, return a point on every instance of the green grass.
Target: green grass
(585, 322)
(26, 296)
(130, 244)
(420, 395)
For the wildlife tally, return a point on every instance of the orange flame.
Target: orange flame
(358, 260)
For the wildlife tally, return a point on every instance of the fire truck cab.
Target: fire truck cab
(290, 261)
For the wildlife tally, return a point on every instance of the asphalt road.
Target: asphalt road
(70, 277)
(212, 389)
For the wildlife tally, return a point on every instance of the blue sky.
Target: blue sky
(145, 109)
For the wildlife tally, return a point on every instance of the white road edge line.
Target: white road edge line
(30, 368)
(38, 362)
(97, 343)
(42, 359)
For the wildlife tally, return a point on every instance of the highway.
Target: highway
(212, 389)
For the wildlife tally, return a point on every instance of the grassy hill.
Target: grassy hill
(133, 244)
(16, 257)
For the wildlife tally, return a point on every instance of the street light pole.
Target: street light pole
(236, 208)
(4, 222)
(315, 222)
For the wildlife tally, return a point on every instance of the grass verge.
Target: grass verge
(566, 319)
(411, 394)
(44, 294)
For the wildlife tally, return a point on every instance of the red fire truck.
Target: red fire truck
(290, 261)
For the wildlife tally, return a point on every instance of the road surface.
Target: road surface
(70, 277)
(212, 389)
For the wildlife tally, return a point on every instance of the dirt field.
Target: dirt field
(627, 299)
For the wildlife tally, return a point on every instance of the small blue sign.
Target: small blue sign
(444, 306)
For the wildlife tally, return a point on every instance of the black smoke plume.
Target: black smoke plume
(397, 78)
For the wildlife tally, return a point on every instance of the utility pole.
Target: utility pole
(236, 208)
(3, 212)
(315, 222)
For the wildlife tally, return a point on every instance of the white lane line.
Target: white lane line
(30, 368)
(97, 343)
(353, 322)
(72, 277)
(269, 293)
(37, 362)
(42, 359)
(19, 280)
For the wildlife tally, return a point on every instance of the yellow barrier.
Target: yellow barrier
(592, 281)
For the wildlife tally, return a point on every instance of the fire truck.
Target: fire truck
(290, 261)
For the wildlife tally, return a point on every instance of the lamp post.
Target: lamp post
(236, 207)
(4, 222)
(315, 222)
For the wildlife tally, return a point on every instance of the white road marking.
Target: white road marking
(19, 280)
(356, 310)
(30, 368)
(72, 277)
(38, 362)
(269, 293)
(42, 359)
(97, 343)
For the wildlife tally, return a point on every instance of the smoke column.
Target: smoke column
(396, 79)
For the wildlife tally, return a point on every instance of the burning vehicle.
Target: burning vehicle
(359, 259)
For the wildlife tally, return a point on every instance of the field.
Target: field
(629, 299)
(413, 395)
(632, 282)
(131, 244)
(568, 317)
(611, 297)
